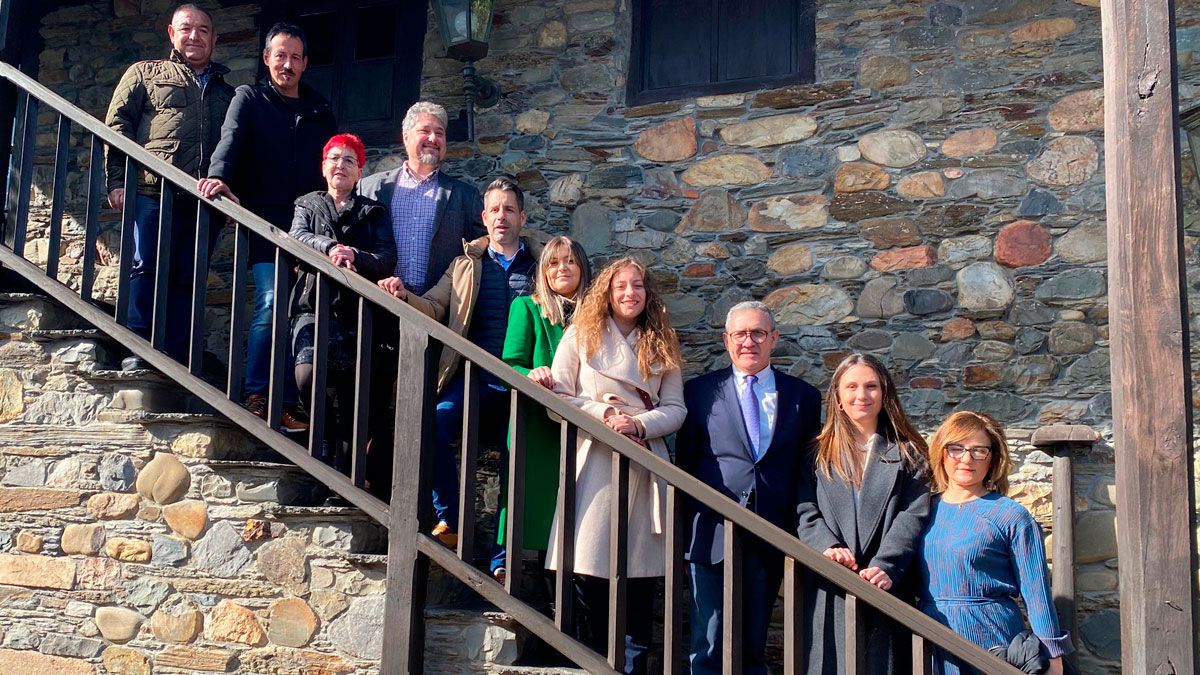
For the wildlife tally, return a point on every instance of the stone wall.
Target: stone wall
(136, 540)
(131, 537)
(936, 198)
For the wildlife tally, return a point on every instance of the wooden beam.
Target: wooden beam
(1152, 412)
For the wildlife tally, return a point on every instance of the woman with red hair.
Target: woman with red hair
(355, 233)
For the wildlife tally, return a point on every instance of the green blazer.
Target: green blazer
(530, 343)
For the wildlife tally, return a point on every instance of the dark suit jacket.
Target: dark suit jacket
(882, 532)
(459, 216)
(714, 446)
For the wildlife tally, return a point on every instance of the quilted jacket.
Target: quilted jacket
(161, 105)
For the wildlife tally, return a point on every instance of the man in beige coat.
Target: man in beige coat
(473, 297)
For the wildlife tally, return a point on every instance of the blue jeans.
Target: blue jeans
(760, 586)
(179, 278)
(258, 342)
(448, 417)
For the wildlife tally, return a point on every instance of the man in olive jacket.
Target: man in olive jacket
(173, 107)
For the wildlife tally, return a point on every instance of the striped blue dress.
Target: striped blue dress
(974, 559)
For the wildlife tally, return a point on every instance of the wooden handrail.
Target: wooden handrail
(630, 453)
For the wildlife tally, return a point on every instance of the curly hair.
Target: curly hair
(958, 427)
(836, 448)
(657, 343)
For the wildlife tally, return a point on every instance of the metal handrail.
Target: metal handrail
(784, 542)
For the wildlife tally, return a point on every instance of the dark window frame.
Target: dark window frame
(405, 91)
(803, 59)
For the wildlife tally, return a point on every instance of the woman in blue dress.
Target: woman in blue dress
(981, 549)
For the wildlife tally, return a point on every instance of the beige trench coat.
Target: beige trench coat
(609, 381)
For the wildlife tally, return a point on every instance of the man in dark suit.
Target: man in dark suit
(745, 435)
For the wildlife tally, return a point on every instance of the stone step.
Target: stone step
(483, 640)
(496, 669)
(343, 528)
(148, 375)
(56, 334)
(470, 641)
(33, 312)
(177, 418)
(260, 482)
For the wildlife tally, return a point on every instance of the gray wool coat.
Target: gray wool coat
(882, 530)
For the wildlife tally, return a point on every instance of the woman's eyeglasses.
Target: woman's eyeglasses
(342, 160)
(977, 452)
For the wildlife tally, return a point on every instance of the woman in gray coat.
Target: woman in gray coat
(863, 504)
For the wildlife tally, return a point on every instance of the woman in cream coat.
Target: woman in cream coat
(619, 361)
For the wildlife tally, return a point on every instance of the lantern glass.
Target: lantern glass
(466, 27)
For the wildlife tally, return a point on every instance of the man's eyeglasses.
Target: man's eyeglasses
(977, 452)
(343, 160)
(756, 335)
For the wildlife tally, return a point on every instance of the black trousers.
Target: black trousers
(590, 620)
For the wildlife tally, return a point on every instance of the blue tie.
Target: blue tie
(749, 401)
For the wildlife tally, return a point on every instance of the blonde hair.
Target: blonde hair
(554, 306)
(956, 428)
(836, 448)
(657, 343)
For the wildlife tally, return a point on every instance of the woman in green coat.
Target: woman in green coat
(535, 327)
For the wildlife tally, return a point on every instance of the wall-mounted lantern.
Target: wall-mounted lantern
(466, 27)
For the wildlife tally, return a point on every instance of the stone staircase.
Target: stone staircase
(140, 534)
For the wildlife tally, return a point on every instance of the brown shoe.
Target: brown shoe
(293, 421)
(445, 534)
(257, 404)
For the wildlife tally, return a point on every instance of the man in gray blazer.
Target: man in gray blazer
(432, 215)
(432, 212)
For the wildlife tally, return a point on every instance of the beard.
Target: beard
(429, 158)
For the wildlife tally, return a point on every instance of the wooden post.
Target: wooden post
(407, 569)
(1152, 393)
(1062, 441)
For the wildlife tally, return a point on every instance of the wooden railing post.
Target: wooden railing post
(1063, 440)
(407, 570)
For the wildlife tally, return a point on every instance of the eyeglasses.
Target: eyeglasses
(758, 336)
(343, 160)
(957, 451)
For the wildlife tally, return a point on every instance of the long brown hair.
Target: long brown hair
(836, 448)
(657, 343)
(956, 428)
(554, 306)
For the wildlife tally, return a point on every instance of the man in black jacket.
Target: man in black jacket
(270, 154)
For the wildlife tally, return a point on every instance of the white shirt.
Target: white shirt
(768, 403)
